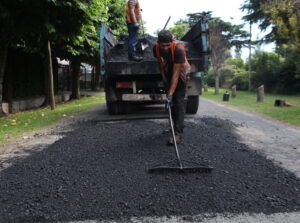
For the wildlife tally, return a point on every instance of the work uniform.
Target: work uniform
(176, 55)
(132, 30)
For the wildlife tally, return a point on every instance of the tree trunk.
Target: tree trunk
(75, 78)
(205, 88)
(49, 85)
(260, 94)
(3, 57)
(217, 82)
(233, 94)
(9, 85)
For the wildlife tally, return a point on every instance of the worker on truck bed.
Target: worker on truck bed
(174, 67)
(133, 17)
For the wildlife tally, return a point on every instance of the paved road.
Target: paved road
(87, 170)
(278, 141)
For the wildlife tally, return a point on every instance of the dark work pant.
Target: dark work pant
(179, 106)
(132, 39)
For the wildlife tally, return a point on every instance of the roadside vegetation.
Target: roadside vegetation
(15, 125)
(247, 101)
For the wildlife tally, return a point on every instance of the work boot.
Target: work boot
(135, 58)
(178, 140)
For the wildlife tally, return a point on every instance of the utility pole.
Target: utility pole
(249, 68)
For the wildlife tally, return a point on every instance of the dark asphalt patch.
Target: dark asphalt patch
(99, 172)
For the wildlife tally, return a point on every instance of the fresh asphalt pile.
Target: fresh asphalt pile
(120, 51)
(99, 172)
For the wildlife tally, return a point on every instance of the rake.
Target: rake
(183, 166)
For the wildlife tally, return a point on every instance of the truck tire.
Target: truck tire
(124, 107)
(192, 104)
(118, 107)
(112, 108)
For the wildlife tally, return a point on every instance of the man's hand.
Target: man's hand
(136, 26)
(168, 101)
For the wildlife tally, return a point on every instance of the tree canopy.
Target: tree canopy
(281, 16)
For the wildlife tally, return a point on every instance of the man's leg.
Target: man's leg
(178, 108)
(132, 42)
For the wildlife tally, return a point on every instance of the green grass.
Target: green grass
(247, 101)
(15, 125)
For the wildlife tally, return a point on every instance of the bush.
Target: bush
(266, 66)
(240, 79)
(210, 78)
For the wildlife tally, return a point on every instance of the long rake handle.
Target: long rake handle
(167, 23)
(174, 138)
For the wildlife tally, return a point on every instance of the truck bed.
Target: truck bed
(117, 62)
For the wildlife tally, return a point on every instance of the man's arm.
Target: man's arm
(175, 77)
(177, 68)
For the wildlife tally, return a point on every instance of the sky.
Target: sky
(156, 12)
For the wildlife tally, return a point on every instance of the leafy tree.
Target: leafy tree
(180, 29)
(289, 73)
(85, 47)
(33, 25)
(240, 77)
(266, 66)
(223, 36)
(281, 16)
(70, 26)
(285, 15)
(236, 63)
(255, 14)
(219, 49)
(116, 16)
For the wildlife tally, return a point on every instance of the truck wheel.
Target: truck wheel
(192, 104)
(124, 107)
(116, 108)
(112, 108)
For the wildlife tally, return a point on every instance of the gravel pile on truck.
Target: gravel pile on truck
(128, 82)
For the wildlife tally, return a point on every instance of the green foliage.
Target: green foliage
(180, 29)
(240, 79)
(282, 16)
(210, 77)
(236, 63)
(289, 74)
(71, 25)
(266, 66)
(255, 14)
(116, 16)
(286, 17)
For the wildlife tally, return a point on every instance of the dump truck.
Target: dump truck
(129, 82)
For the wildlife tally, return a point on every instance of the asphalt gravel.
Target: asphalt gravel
(98, 171)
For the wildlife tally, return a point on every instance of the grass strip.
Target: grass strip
(247, 101)
(15, 125)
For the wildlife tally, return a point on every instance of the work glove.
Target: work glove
(136, 26)
(168, 101)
